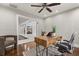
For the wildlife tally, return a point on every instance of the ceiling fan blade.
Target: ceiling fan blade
(54, 4)
(49, 10)
(36, 5)
(40, 10)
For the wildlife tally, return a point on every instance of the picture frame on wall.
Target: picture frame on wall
(29, 29)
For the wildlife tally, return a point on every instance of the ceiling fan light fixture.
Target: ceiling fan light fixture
(56, 11)
(46, 6)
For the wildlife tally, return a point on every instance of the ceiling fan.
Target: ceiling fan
(45, 5)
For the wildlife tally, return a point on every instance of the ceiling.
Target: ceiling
(26, 7)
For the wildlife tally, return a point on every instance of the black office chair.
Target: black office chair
(66, 46)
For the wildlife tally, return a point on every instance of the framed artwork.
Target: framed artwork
(29, 29)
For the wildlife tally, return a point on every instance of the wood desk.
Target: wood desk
(46, 42)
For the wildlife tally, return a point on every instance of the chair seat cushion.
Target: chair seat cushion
(9, 42)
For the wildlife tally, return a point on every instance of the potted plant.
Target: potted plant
(54, 30)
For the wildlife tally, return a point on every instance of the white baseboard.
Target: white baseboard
(76, 45)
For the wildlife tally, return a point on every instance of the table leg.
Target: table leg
(46, 51)
(36, 49)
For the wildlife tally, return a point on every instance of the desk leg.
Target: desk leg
(46, 51)
(36, 49)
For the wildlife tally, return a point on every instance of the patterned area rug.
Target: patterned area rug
(52, 51)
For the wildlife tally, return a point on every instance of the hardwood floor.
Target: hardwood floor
(76, 52)
(11, 52)
(20, 49)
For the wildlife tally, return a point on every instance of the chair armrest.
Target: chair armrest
(66, 40)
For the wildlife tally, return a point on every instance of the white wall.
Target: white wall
(7, 21)
(40, 26)
(66, 23)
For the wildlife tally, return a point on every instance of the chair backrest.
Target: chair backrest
(10, 37)
(2, 47)
(49, 34)
(72, 38)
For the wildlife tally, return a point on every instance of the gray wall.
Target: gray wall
(7, 21)
(66, 23)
